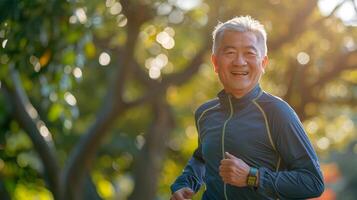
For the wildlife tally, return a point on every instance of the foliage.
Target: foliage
(101, 94)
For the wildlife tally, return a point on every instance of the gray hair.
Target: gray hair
(241, 24)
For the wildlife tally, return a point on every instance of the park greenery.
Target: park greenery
(97, 97)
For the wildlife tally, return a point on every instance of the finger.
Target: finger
(227, 162)
(230, 156)
(188, 193)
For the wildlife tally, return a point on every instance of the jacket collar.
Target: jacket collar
(239, 102)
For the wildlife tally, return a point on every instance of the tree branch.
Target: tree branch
(174, 79)
(338, 66)
(296, 26)
(27, 116)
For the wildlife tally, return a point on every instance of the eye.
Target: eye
(229, 52)
(251, 53)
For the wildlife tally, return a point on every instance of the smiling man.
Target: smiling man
(251, 144)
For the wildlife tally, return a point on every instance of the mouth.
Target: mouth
(239, 73)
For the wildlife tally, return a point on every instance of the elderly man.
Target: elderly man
(251, 144)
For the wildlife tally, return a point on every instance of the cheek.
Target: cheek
(257, 72)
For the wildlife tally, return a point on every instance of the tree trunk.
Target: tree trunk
(149, 162)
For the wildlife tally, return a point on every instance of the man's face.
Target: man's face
(238, 62)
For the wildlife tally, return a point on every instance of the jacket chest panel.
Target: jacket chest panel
(245, 136)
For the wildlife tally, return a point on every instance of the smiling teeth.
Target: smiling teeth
(240, 73)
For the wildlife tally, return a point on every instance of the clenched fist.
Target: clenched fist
(234, 171)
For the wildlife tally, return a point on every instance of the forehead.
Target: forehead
(239, 39)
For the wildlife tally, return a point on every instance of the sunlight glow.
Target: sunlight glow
(323, 143)
(349, 43)
(4, 43)
(170, 31)
(70, 99)
(72, 19)
(346, 12)
(44, 131)
(165, 40)
(104, 59)
(191, 132)
(116, 8)
(67, 124)
(188, 4)
(176, 17)
(81, 15)
(312, 127)
(154, 73)
(156, 64)
(53, 96)
(122, 20)
(164, 9)
(31, 111)
(303, 58)
(109, 3)
(77, 72)
(140, 141)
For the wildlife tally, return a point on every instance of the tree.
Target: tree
(153, 51)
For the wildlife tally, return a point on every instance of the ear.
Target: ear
(265, 62)
(214, 62)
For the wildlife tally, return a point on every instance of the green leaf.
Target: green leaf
(55, 112)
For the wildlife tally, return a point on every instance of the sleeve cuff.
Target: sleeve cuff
(266, 183)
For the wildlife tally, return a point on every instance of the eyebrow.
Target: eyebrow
(251, 47)
(247, 47)
(228, 47)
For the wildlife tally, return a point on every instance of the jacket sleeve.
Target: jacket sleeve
(192, 175)
(302, 177)
(194, 171)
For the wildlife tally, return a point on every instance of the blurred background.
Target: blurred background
(97, 97)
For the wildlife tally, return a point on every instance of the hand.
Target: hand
(234, 171)
(182, 194)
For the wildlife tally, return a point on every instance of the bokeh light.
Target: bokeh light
(165, 40)
(115, 8)
(323, 143)
(77, 72)
(303, 58)
(104, 59)
(70, 99)
(81, 15)
(4, 43)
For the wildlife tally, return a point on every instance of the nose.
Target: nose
(239, 60)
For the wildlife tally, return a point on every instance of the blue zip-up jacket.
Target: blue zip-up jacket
(264, 132)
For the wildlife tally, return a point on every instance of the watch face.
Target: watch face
(251, 181)
(252, 177)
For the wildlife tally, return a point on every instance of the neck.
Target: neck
(239, 93)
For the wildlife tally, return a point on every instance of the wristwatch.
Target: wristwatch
(252, 179)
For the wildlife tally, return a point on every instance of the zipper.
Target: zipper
(223, 136)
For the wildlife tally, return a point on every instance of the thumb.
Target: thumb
(230, 156)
